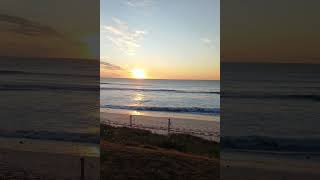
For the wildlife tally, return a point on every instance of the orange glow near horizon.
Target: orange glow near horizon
(211, 72)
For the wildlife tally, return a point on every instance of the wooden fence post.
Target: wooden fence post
(169, 124)
(130, 120)
(82, 168)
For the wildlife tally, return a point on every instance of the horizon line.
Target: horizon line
(50, 57)
(271, 60)
(163, 79)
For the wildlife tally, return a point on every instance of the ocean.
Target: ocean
(270, 106)
(50, 101)
(196, 99)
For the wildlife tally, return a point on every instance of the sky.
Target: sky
(59, 28)
(160, 39)
(285, 31)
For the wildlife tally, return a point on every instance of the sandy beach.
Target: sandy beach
(253, 165)
(201, 128)
(35, 159)
(35, 165)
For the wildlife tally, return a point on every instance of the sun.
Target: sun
(138, 73)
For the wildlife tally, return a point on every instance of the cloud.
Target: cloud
(111, 70)
(123, 37)
(26, 27)
(21, 36)
(109, 66)
(207, 41)
(139, 3)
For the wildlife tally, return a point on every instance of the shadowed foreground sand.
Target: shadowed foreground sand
(125, 162)
(45, 166)
(244, 165)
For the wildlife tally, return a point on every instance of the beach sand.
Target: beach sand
(202, 128)
(35, 165)
(34, 159)
(144, 151)
(250, 165)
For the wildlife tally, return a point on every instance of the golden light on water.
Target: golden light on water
(138, 73)
(138, 97)
(137, 113)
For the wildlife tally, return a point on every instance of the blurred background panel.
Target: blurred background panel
(49, 89)
(270, 89)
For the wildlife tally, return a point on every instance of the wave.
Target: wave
(57, 136)
(264, 143)
(160, 90)
(127, 84)
(313, 97)
(13, 72)
(33, 87)
(196, 110)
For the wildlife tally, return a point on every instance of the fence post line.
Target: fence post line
(82, 168)
(130, 120)
(169, 124)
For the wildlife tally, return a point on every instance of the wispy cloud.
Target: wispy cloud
(109, 66)
(139, 3)
(126, 39)
(25, 27)
(108, 69)
(207, 41)
(27, 37)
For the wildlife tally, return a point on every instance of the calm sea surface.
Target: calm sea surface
(179, 98)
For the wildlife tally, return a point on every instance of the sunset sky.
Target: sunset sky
(160, 39)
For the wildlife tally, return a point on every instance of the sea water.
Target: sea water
(196, 99)
(271, 106)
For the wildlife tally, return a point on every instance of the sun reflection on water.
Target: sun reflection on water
(137, 113)
(138, 97)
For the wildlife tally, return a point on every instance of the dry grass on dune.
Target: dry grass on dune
(138, 154)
